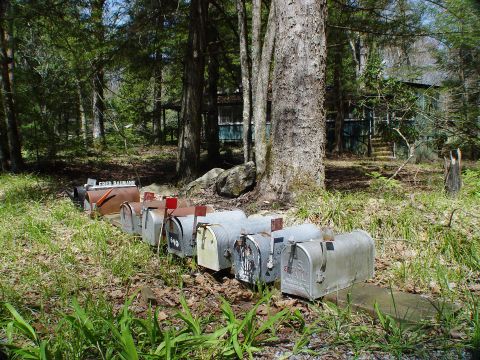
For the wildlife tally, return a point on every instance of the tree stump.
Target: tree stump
(453, 176)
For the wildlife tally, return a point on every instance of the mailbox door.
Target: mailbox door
(126, 218)
(296, 271)
(207, 248)
(248, 260)
(174, 233)
(151, 227)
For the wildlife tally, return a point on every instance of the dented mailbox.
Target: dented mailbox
(312, 269)
(131, 213)
(215, 240)
(181, 231)
(152, 221)
(256, 258)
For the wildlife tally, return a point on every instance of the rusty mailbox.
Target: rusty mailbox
(152, 221)
(181, 231)
(215, 240)
(256, 258)
(131, 213)
(312, 269)
(109, 199)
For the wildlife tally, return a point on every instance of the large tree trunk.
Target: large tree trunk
(98, 75)
(246, 81)
(261, 95)
(16, 160)
(296, 160)
(189, 140)
(213, 144)
(339, 104)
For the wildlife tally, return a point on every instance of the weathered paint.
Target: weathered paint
(215, 240)
(253, 258)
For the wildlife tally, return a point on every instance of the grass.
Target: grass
(72, 283)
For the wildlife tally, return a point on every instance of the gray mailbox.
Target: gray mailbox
(256, 258)
(215, 240)
(181, 231)
(312, 269)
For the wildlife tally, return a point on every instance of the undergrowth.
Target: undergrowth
(60, 272)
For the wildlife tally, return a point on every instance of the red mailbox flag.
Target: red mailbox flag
(277, 224)
(200, 210)
(148, 196)
(171, 203)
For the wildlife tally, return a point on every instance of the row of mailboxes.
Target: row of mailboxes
(308, 262)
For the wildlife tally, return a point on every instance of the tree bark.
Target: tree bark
(296, 159)
(82, 116)
(246, 81)
(16, 160)
(256, 42)
(98, 107)
(213, 144)
(4, 149)
(261, 97)
(98, 75)
(157, 101)
(339, 106)
(188, 158)
(159, 136)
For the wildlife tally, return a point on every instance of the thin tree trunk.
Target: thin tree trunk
(339, 106)
(82, 115)
(256, 42)
(157, 101)
(213, 144)
(98, 107)
(246, 81)
(159, 137)
(261, 98)
(296, 159)
(99, 75)
(16, 160)
(4, 149)
(190, 126)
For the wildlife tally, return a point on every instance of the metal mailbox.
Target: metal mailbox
(256, 258)
(181, 231)
(131, 213)
(152, 221)
(315, 268)
(215, 240)
(108, 200)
